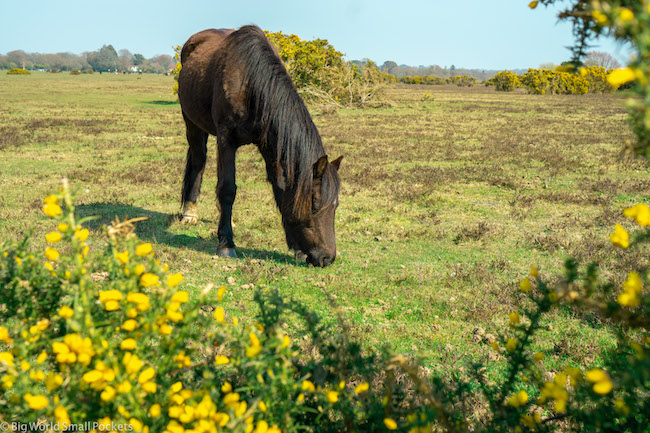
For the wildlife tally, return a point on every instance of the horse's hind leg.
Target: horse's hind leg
(196, 157)
(226, 192)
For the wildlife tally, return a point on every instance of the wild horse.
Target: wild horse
(234, 85)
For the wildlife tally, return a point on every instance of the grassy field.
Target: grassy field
(449, 196)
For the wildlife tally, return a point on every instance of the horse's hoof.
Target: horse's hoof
(227, 252)
(300, 256)
(189, 219)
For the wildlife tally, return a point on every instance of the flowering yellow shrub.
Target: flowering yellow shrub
(111, 342)
(628, 21)
(462, 80)
(320, 73)
(177, 69)
(18, 71)
(546, 81)
(504, 81)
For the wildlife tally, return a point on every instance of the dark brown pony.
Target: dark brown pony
(233, 85)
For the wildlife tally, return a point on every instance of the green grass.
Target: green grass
(445, 204)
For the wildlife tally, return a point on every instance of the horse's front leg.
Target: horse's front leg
(226, 192)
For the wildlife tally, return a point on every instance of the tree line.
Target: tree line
(593, 58)
(105, 59)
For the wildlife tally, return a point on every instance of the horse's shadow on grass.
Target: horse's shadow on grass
(156, 229)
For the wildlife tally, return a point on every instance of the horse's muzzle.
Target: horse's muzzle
(320, 259)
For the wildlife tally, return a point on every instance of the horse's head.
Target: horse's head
(313, 235)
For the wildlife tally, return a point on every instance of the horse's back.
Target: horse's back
(203, 44)
(196, 82)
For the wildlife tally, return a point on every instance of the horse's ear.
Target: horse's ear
(337, 162)
(320, 166)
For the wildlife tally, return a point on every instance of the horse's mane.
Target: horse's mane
(276, 107)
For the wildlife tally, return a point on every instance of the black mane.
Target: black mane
(285, 123)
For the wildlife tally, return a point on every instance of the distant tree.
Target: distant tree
(158, 64)
(4, 62)
(165, 62)
(548, 65)
(138, 59)
(601, 58)
(105, 59)
(126, 59)
(18, 59)
(452, 70)
(388, 65)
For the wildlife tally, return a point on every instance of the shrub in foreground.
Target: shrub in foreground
(108, 339)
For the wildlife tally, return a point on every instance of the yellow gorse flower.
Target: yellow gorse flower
(51, 199)
(332, 396)
(52, 254)
(146, 375)
(390, 424)
(174, 280)
(129, 325)
(255, 347)
(533, 4)
(180, 297)
(640, 212)
(514, 318)
(81, 234)
(632, 288)
(219, 314)
(143, 249)
(600, 18)
(361, 388)
(149, 279)
(128, 344)
(36, 402)
(619, 77)
(154, 411)
(519, 399)
(7, 358)
(307, 385)
(626, 15)
(65, 312)
(221, 360)
(123, 257)
(602, 383)
(53, 237)
(511, 344)
(525, 285)
(620, 238)
(52, 210)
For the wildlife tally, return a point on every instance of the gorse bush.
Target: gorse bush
(107, 341)
(504, 81)
(628, 21)
(588, 79)
(423, 79)
(18, 71)
(320, 74)
(546, 81)
(462, 80)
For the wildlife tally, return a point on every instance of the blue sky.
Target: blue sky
(486, 34)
